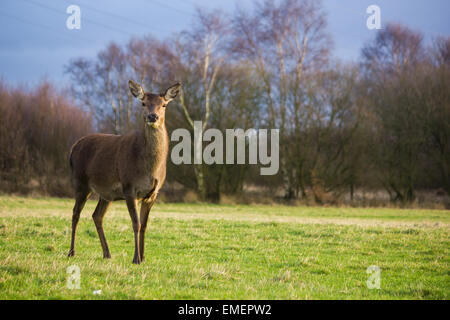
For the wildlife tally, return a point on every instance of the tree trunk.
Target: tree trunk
(200, 178)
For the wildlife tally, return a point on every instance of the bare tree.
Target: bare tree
(395, 48)
(283, 41)
(200, 59)
(391, 63)
(432, 87)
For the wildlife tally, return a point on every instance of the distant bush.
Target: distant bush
(37, 128)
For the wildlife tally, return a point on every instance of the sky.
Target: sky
(35, 42)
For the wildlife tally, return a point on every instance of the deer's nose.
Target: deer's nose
(152, 117)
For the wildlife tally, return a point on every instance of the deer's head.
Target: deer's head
(154, 104)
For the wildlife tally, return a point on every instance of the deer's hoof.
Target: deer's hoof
(136, 261)
(107, 256)
(71, 253)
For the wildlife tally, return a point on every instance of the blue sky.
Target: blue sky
(35, 43)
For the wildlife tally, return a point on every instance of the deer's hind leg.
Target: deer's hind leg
(98, 215)
(81, 196)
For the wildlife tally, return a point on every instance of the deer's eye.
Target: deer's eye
(143, 104)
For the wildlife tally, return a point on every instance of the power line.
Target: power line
(173, 8)
(42, 26)
(84, 19)
(191, 4)
(138, 23)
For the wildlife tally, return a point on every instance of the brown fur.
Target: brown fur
(131, 167)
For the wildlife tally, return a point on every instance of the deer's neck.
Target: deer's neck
(156, 144)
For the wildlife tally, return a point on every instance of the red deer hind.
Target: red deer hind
(130, 167)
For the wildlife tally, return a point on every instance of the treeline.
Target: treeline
(381, 123)
(37, 128)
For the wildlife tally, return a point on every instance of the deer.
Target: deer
(130, 167)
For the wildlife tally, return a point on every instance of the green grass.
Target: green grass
(200, 251)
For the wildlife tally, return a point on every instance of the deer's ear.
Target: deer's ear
(172, 92)
(136, 90)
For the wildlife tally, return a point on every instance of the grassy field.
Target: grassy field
(199, 251)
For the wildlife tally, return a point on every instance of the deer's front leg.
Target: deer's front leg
(131, 204)
(145, 210)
